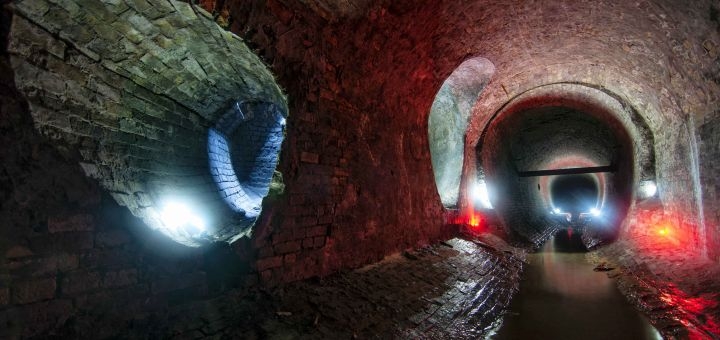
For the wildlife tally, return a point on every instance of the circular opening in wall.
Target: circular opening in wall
(243, 150)
(559, 163)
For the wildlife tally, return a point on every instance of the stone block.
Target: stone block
(79, 222)
(308, 157)
(283, 236)
(307, 221)
(319, 241)
(290, 258)
(327, 219)
(266, 251)
(37, 8)
(120, 278)
(81, 282)
(270, 262)
(38, 318)
(49, 265)
(24, 292)
(317, 231)
(15, 252)
(266, 276)
(109, 257)
(178, 282)
(142, 24)
(287, 247)
(61, 242)
(112, 238)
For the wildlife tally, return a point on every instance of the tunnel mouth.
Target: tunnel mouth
(243, 152)
(534, 136)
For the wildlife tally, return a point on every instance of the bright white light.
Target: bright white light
(177, 215)
(595, 212)
(557, 210)
(480, 194)
(647, 189)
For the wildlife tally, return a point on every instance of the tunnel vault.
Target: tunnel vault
(166, 109)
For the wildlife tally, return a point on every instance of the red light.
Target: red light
(469, 217)
(474, 220)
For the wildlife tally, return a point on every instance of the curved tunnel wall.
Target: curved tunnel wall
(656, 63)
(243, 164)
(137, 92)
(562, 126)
(448, 122)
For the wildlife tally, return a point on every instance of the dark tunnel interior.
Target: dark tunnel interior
(554, 138)
(574, 193)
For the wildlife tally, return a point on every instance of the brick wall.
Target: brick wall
(73, 263)
(708, 134)
(356, 164)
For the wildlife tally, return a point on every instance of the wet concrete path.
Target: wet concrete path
(561, 297)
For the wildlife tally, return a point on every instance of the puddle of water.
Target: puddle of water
(561, 297)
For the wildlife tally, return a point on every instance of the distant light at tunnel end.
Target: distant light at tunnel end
(647, 189)
(176, 215)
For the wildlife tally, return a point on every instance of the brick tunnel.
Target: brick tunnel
(369, 169)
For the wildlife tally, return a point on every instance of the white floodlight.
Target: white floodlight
(480, 194)
(177, 215)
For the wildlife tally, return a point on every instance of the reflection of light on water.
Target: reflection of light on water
(652, 333)
(568, 274)
(690, 308)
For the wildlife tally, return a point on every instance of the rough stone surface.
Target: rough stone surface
(134, 90)
(428, 293)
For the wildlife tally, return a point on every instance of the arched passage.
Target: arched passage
(563, 126)
(448, 121)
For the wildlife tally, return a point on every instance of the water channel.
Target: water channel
(561, 297)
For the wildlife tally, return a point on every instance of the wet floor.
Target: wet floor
(561, 297)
